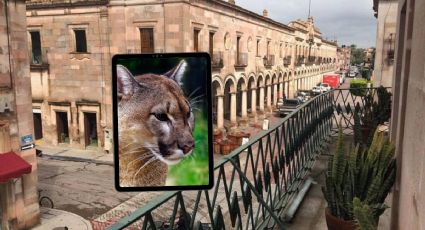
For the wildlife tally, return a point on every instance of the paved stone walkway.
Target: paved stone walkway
(55, 219)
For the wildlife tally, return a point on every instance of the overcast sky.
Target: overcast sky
(349, 21)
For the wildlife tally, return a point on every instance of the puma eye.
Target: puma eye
(161, 116)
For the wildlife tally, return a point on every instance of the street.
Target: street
(83, 188)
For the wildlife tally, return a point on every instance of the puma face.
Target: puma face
(154, 114)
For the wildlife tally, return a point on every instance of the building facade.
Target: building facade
(407, 126)
(18, 196)
(344, 57)
(386, 14)
(255, 59)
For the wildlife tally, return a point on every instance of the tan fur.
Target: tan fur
(139, 130)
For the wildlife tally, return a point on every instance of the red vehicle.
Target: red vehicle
(332, 79)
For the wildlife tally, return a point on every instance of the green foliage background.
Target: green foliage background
(193, 170)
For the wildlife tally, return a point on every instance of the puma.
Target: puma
(155, 125)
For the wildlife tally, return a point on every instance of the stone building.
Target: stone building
(344, 57)
(386, 14)
(18, 192)
(255, 59)
(407, 125)
(369, 57)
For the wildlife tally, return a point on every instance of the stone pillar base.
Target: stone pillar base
(243, 122)
(233, 126)
(253, 117)
(261, 115)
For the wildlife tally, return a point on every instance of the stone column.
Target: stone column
(244, 117)
(275, 94)
(281, 89)
(310, 81)
(233, 121)
(290, 93)
(254, 104)
(269, 95)
(220, 115)
(261, 99)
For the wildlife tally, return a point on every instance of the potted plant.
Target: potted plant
(374, 113)
(367, 175)
(226, 146)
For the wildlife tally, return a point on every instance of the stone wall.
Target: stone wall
(22, 199)
(407, 126)
(385, 40)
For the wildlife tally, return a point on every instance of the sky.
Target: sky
(347, 21)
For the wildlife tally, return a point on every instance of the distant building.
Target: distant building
(255, 59)
(344, 57)
(386, 14)
(369, 57)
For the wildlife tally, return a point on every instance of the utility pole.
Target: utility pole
(309, 7)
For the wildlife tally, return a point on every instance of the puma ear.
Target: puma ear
(125, 82)
(177, 72)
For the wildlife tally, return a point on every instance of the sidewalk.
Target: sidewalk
(80, 155)
(55, 219)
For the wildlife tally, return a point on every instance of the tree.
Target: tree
(357, 55)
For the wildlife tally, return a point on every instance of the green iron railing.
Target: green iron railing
(254, 184)
(347, 101)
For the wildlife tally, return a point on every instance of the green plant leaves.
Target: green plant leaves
(366, 175)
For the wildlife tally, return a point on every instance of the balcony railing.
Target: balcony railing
(217, 60)
(268, 61)
(39, 60)
(253, 184)
(310, 60)
(287, 60)
(241, 60)
(347, 101)
(300, 61)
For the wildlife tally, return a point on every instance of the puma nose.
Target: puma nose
(187, 146)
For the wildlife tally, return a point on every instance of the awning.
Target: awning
(12, 166)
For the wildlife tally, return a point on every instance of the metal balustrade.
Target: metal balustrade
(347, 101)
(217, 60)
(254, 184)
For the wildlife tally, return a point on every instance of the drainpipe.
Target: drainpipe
(6, 9)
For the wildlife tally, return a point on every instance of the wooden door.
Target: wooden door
(146, 39)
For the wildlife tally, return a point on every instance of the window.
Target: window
(258, 47)
(80, 41)
(196, 40)
(35, 47)
(268, 48)
(211, 43)
(146, 40)
(238, 39)
(280, 50)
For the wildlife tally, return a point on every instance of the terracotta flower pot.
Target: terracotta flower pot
(237, 137)
(226, 146)
(217, 135)
(216, 146)
(335, 223)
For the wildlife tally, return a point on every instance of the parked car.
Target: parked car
(288, 106)
(325, 86)
(317, 90)
(304, 95)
